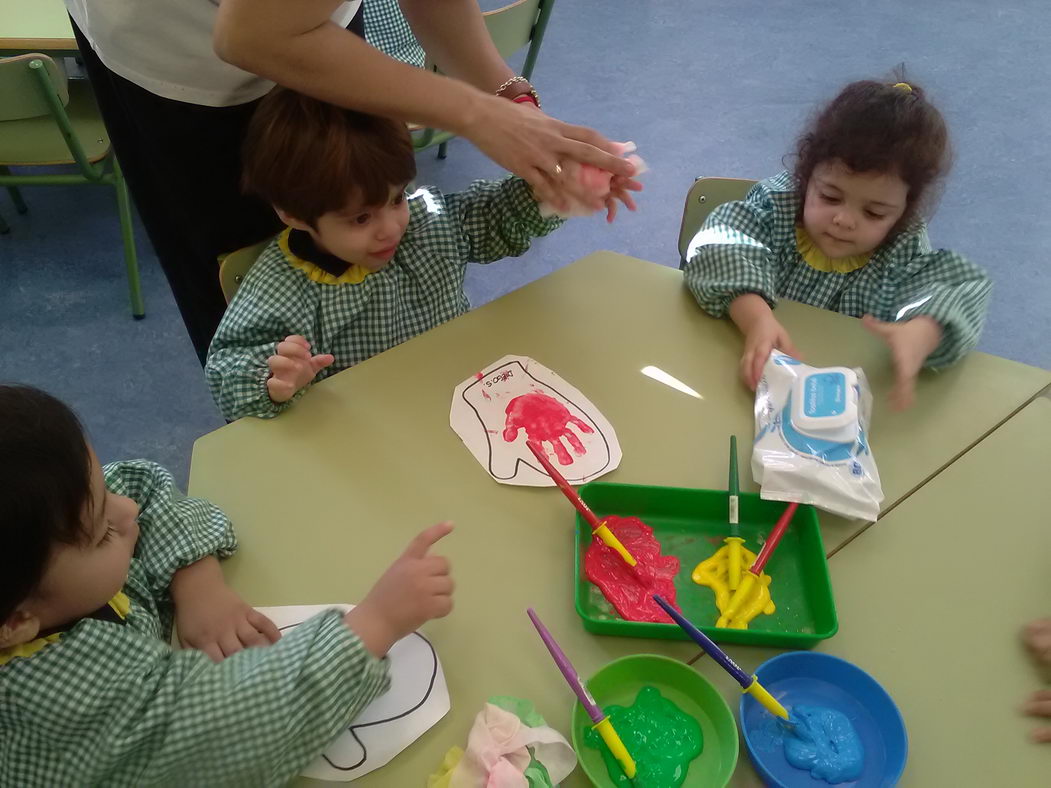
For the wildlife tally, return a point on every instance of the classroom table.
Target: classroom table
(931, 601)
(326, 494)
(36, 26)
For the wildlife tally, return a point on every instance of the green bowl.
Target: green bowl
(620, 681)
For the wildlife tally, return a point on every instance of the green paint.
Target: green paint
(659, 736)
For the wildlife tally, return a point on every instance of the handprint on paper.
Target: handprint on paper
(545, 420)
(517, 399)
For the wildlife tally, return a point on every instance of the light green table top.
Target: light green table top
(35, 25)
(931, 601)
(330, 491)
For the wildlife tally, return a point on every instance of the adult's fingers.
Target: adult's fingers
(587, 146)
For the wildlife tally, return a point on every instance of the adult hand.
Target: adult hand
(535, 147)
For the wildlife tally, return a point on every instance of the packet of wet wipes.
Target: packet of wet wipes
(811, 438)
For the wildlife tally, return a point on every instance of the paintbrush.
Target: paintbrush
(750, 578)
(749, 684)
(734, 542)
(600, 722)
(598, 527)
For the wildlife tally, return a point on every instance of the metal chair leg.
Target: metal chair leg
(441, 150)
(138, 308)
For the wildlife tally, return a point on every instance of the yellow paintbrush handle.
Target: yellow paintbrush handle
(616, 746)
(744, 589)
(608, 537)
(734, 546)
(768, 701)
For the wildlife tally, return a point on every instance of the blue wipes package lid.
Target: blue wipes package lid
(825, 404)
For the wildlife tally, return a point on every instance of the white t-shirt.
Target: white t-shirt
(165, 46)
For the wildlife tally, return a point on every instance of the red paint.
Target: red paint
(544, 418)
(630, 589)
(477, 375)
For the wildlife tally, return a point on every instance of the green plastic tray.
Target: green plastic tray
(691, 524)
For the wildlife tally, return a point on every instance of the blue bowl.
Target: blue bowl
(810, 678)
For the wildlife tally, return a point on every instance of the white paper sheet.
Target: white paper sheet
(498, 408)
(417, 699)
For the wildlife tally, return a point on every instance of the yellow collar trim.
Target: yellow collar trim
(26, 649)
(818, 260)
(355, 274)
(120, 604)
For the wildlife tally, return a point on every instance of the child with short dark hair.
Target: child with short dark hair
(97, 562)
(363, 265)
(845, 231)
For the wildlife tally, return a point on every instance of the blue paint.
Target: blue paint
(819, 740)
(823, 742)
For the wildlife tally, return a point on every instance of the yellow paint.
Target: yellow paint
(714, 573)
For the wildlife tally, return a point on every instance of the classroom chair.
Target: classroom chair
(46, 120)
(511, 28)
(234, 266)
(703, 197)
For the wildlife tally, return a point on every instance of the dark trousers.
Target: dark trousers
(182, 163)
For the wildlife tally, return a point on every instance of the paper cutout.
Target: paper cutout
(497, 409)
(418, 697)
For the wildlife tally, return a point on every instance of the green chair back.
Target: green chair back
(20, 94)
(234, 266)
(35, 98)
(704, 196)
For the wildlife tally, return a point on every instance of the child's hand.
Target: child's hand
(762, 333)
(292, 367)
(619, 189)
(759, 342)
(414, 589)
(910, 342)
(212, 617)
(1039, 705)
(1037, 639)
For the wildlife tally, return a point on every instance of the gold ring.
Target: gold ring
(558, 170)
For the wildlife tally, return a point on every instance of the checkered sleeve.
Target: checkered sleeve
(105, 706)
(953, 291)
(731, 254)
(174, 530)
(269, 306)
(497, 219)
(388, 31)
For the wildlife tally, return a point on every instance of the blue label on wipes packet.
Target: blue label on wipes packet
(825, 394)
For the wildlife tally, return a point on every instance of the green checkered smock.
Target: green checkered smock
(388, 31)
(750, 246)
(419, 289)
(113, 704)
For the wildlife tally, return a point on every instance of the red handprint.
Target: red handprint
(544, 418)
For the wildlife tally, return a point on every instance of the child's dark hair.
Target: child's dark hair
(887, 127)
(309, 158)
(45, 483)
